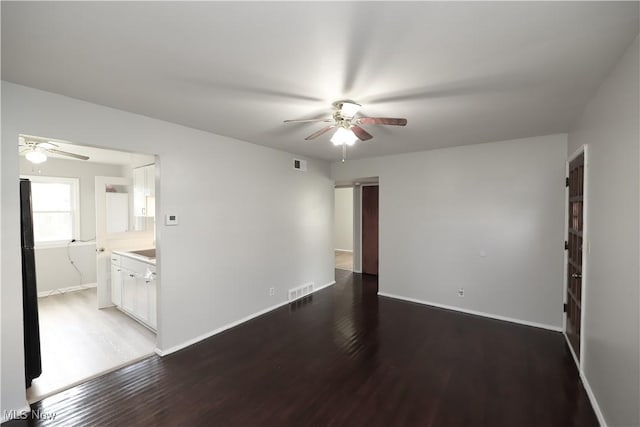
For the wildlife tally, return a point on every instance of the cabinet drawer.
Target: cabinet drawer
(139, 267)
(115, 259)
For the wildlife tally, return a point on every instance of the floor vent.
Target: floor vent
(300, 291)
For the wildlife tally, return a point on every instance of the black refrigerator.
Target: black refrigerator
(32, 361)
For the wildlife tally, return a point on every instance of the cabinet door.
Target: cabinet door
(117, 205)
(153, 309)
(116, 285)
(128, 290)
(141, 304)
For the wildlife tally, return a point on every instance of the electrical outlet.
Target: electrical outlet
(461, 292)
(272, 291)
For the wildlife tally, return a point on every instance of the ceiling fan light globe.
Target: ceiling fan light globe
(344, 136)
(36, 156)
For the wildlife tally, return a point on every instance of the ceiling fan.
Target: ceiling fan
(36, 149)
(348, 125)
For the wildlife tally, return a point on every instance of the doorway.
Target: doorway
(575, 248)
(82, 212)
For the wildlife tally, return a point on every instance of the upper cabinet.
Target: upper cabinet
(144, 191)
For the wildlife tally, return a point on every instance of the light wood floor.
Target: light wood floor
(78, 341)
(344, 260)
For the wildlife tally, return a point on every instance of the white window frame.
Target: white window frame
(75, 202)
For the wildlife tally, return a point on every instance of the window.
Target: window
(55, 209)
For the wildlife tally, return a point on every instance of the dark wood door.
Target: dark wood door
(370, 229)
(574, 247)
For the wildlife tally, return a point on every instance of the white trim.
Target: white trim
(475, 312)
(586, 385)
(585, 253)
(230, 325)
(4, 416)
(42, 294)
(343, 250)
(592, 398)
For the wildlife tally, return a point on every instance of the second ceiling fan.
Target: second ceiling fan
(348, 125)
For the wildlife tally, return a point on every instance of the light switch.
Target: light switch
(170, 219)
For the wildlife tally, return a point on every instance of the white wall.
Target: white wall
(487, 217)
(609, 127)
(248, 221)
(343, 217)
(53, 269)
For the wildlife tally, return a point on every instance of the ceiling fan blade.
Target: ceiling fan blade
(308, 120)
(320, 132)
(64, 153)
(362, 134)
(382, 121)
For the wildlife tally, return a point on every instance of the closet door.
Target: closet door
(370, 229)
(574, 247)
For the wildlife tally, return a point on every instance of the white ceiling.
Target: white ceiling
(96, 155)
(461, 73)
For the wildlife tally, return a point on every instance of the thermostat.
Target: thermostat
(170, 219)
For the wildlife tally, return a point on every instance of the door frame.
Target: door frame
(585, 251)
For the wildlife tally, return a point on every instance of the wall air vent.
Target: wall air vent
(300, 165)
(300, 291)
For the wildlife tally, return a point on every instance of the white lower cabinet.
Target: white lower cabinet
(116, 281)
(141, 300)
(128, 290)
(153, 304)
(133, 289)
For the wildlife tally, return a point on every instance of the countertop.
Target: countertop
(138, 257)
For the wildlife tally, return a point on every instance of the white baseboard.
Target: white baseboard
(343, 250)
(67, 289)
(592, 398)
(573, 353)
(10, 414)
(202, 337)
(477, 313)
(587, 386)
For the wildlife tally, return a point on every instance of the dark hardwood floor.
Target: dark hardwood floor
(344, 356)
